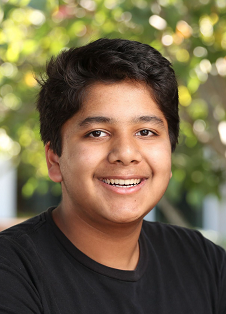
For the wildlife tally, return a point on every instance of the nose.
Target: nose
(124, 151)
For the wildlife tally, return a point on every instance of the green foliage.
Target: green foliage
(192, 34)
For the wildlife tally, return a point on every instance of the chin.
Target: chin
(127, 217)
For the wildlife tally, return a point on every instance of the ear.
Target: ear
(171, 174)
(53, 166)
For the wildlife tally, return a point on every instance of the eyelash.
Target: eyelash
(150, 131)
(100, 131)
(89, 134)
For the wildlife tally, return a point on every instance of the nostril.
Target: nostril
(124, 156)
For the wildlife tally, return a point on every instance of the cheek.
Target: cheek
(159, 158)
(83, 159)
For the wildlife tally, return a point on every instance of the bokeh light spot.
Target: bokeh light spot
(167, 40)
(222, 131)
(157, 22)
(184, 29)
(184, 96)
(182, 55)
(221, 66)
(200, 52)
(36, 17)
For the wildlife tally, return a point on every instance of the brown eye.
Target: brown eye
(145, 132)
(97, 133)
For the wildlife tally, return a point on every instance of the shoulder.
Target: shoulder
(183, 241)
(26, 225)
(19, 242)
(29, 226)
(186, 253)
(175, 233)
(21, 267)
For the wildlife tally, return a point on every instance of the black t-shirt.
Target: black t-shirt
(41, 271)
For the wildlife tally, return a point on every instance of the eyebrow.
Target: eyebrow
(101, 119)
(154, 119)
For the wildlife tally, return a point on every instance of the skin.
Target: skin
(120, 133)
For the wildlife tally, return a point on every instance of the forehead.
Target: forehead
(117, 104)
(119, 98)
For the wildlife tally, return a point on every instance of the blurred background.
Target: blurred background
(190, 33)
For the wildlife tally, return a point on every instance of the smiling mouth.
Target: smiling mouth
(122, 183)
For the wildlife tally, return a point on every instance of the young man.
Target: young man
(109, 122)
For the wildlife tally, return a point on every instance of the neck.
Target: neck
(113, 245)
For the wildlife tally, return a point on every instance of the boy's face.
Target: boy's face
(116, 155)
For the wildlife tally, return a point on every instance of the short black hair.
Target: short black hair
(107, 61)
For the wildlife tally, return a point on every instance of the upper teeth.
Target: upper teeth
(122, 182)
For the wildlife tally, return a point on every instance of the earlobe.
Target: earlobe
(53, 166)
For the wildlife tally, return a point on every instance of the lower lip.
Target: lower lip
(123, 190)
